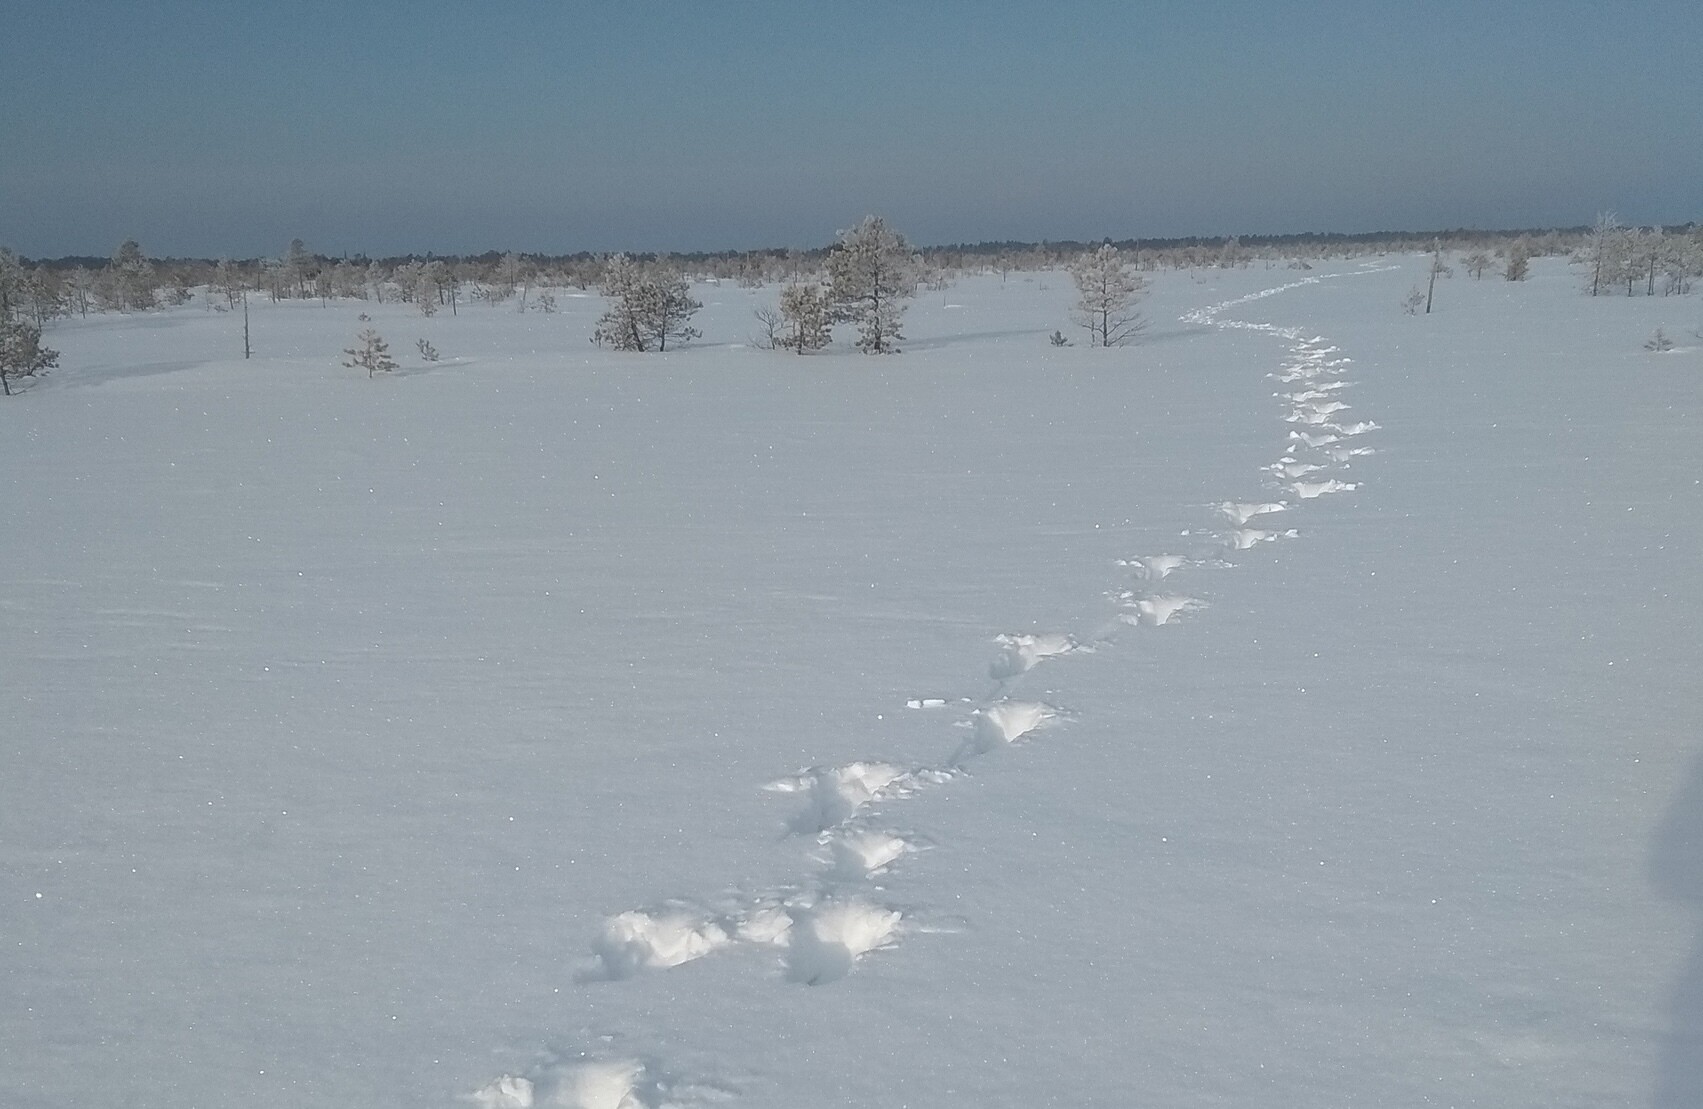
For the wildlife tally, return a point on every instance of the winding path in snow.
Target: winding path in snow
(824, 926)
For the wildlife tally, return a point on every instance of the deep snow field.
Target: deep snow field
(552, 726)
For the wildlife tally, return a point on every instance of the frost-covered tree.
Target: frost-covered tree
(298, 268)
(807, 316)
(1476, 263)
(1439, 268)
(21, 353)
(371, 354)
(12, 280)
(646, 309)
(668, 309)
(620, 326)
(872, 271)
(1106, 294)
(1518, 266)
(132, 276)
(228, 282)
(1604, 252)
(80, 290)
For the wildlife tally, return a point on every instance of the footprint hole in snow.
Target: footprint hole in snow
(613, 1084)
(828, 940)
(1155, 567)
(833, 795)
(636, 941)
(862, 854)
(1022, 652)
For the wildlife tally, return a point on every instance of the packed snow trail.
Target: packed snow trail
(824, 926)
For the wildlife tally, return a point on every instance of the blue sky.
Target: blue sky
(385, 127)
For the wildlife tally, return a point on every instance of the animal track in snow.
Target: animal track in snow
(635, 941)
(1022, 652)
(1154, 567)
(822, 936)
(1239, 513)
(826, 941)
(614, 1084)
(1002, 724)
(1307, 490)
(1293, 468)
(1245, 538)
(833, 795)
(861, 854)
(1159, 610)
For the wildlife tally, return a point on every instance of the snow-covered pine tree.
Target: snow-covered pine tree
(1518, 266)
(132, 276)
(299, 266)
(872, 271)
(21, 353)
(1106, 292)
(619, 325)
(667, 309)
(646, 309)
(372, 354)
(807, 316)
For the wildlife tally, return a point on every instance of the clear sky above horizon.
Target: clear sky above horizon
(387, 127)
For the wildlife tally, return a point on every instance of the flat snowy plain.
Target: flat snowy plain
(536, 727)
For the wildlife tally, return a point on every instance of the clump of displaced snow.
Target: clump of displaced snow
(1154, 567)
(611, 1084)
(636, 940)
(1022, 652)
(827, 940)
(858, 854)
(507, 1092)
(1158, 610)
(1240, 513)
(1307, 490)
(833, 795)
(1243, 538)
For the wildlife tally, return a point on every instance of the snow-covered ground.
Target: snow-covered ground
(556, 726)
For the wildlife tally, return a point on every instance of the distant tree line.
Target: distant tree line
(863, 278)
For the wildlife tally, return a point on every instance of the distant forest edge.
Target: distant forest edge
(1206, 247)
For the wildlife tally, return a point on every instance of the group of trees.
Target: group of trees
(864, 278)
(648, 306)
(1635, 260)
(21, 352)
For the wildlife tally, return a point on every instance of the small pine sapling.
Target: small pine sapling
(1658, 342)
(428, 352)
(372, 354)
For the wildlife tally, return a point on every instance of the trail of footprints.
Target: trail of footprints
(822, 928)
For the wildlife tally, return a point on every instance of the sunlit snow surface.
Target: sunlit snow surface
(996, 724)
